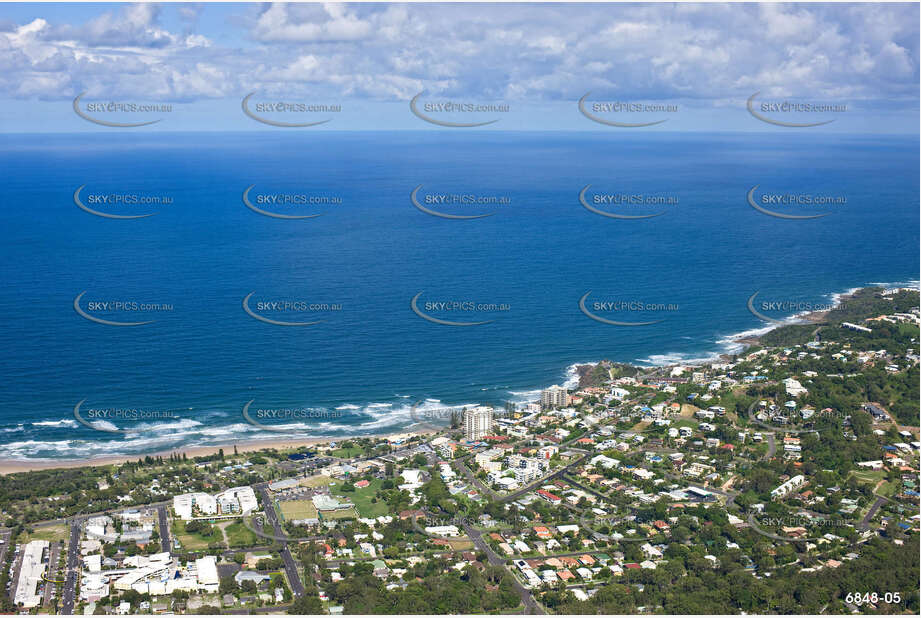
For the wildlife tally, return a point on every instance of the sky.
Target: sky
(696, 64)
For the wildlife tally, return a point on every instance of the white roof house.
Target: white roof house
(412, 477)
(794, 388)
(789, 486)
(443, 530)
(604, 462)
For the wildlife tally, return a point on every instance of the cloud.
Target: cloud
(135, 25)
(309, 23)
(715, 52)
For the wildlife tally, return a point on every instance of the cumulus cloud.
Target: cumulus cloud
(550, 52)
(309, 23)
(135, 25)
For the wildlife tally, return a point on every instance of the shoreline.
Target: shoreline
(806, 317)
(12, 466)
(745, 339)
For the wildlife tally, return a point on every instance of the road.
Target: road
(165, 539)
(729, 495)
(294, 579)
(72, 567)
(463, 469)
(865, 522)
(5, 540)
(84, 515)
(51, 575)
(772, 446)
(527, 599)
(16, 565)
(243, 611)
(578, 484)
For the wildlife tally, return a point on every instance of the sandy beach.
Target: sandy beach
(11, 466)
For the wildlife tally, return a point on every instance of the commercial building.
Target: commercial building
(31, 574)
(206, 570)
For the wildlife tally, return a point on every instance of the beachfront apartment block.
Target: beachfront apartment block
(477, 422)
(31, 574)
(233, 501)
(554, 397)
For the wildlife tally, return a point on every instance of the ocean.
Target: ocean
(680, 280)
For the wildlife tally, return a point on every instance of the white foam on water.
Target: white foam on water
(64, 422)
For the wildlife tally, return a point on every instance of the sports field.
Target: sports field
(297, 509)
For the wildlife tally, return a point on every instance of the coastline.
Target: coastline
(11, 466)
(810, 317)
(742, 340)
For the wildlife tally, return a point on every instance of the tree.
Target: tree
(306, 604)
(227, 585)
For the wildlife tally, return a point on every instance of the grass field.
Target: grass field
(315, 481)
(361, 498)
(869, 476)
(297, 509)
(461, 545)
(191, 541)
(889, 488)
(59, 532)
(238, 535)
(347, 453)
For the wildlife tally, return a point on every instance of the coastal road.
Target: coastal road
(527, 599)
(294, 579)
(72, 567)
(165, 539)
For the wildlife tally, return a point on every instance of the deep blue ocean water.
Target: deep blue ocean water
(364, 365)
